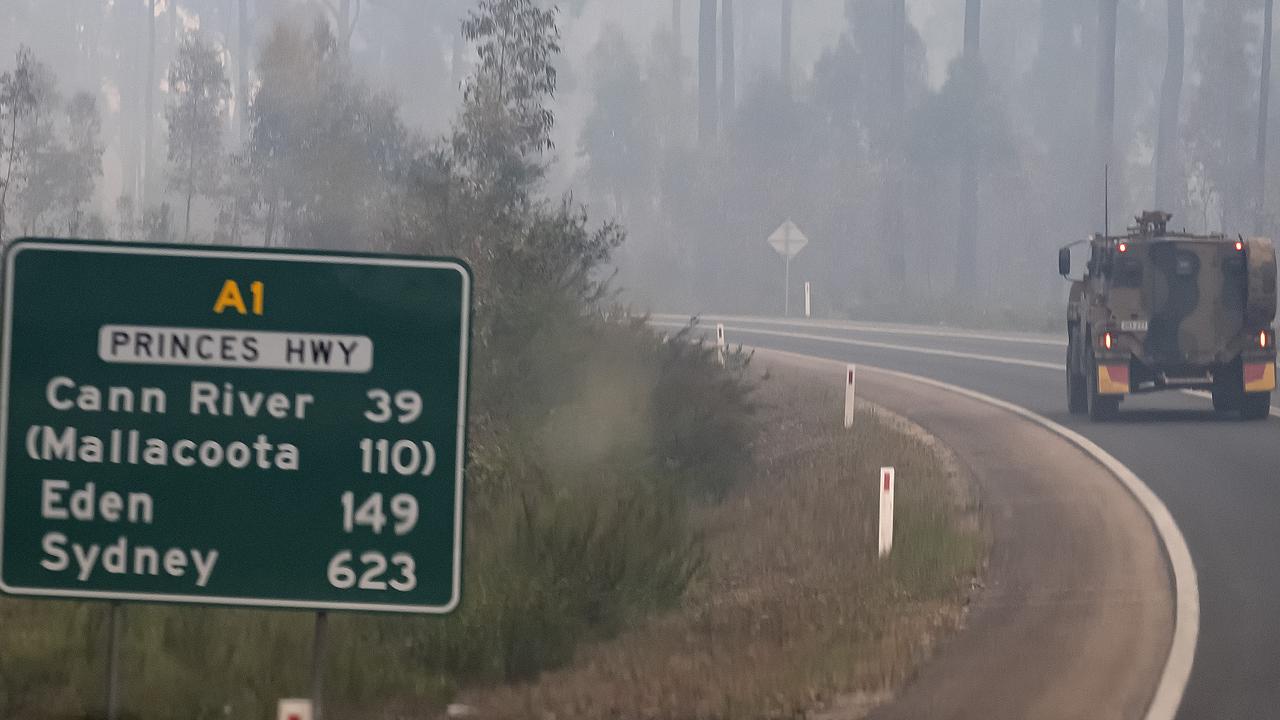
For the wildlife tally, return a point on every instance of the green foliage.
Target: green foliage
(50, 151)
(505, 111)
(200, 100)
(324, 147)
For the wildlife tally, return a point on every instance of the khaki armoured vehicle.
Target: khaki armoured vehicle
(1161, 310)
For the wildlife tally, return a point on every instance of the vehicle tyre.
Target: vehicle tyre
(1228, 395)
(1101, 407)
(1225, 400)
(1077, 384)
(1255, 406)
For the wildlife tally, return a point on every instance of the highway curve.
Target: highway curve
(1217, 477)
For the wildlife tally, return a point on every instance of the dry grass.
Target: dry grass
(794, 615)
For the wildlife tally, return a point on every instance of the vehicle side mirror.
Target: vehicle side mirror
(1064, 262)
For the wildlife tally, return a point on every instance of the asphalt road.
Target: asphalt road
(1220, 478)
(1065, 627)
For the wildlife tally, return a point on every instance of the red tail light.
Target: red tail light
(1124, 247)
(1106, 340)
(1264, 339)
(1239, 246)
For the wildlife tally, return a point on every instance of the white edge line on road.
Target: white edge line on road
(922, 331)
(1275, 412)
(880, 346)
(1186, 627)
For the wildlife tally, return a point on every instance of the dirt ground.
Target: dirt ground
(795, 616)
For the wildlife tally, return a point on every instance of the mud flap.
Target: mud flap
(1259, 377)
(1114, 379)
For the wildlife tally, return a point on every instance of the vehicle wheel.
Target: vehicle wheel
(1228, 395)
(1225, 400)
(1077, 385)
(1101, 407)
(1255, 406)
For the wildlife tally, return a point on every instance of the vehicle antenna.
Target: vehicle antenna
(1106, 200)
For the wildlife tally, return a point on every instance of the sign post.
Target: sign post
(115, 620)
(788, 241)
(232, 427)
(808, 305)
(720, 346)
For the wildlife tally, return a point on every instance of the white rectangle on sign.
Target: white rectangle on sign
(294, 709)
(1133, 325)
(257, 349)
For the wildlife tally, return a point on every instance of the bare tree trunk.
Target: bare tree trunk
(1170, 186)
(148, 108)
(895, 261)
(271, 220)
(708, 118)
(728, 69)
(126, 16)
(967, 222)
(1105, 110)
(1264, 117)
(8, 175)
(677, 28)
(785, 69)
(972, 29)
(346, 24)
(242, 67)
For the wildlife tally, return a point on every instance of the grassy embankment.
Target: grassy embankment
(793, 614)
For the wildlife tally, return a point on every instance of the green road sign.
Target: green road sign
(235, 427)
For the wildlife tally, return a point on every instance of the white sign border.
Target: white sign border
(18, 246)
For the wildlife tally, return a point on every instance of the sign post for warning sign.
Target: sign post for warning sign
(232, 427)
(788, 241)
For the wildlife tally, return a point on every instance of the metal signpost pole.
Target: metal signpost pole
(317, 665)
(788, 241)
(115, 620)
(786, 288)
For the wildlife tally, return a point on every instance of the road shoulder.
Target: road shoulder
(1076, 617)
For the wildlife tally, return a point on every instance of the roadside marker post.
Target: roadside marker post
(850, 378)
(887, 483)
(808, 300)
(720, 343)
(294, 709)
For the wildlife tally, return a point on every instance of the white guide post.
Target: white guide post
(850, 378)
(887, 483)
(294, 709)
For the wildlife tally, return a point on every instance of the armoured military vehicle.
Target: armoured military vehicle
(1163, 310)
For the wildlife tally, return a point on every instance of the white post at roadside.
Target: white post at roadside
(720, 343)
(850, 377)
(887, 482)
(808, 305)
(294, 709)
